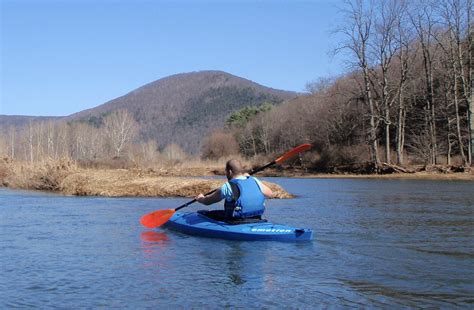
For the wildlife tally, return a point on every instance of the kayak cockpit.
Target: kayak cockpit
(219, 216)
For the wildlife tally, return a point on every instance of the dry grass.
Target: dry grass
(114, 183)
(40, 176)
(67, 178)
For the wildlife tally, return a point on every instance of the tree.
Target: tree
(11, 141)
(385, 46)
(219, 145)
(174, 153)
(405, 59)
(423, 22)
(471, 76)
(120, 129)
(357, 32)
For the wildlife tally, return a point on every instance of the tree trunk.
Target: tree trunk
(12, 142)
(386, 105)
(434, 144)
(471, 108)
(387, 135)
(448, 155)
(456, 77)
(373, 127)
(400, 127)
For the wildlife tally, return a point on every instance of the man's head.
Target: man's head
(233, 168)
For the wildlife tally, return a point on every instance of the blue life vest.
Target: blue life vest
(248, 201)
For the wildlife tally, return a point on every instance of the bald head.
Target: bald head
(233, 168)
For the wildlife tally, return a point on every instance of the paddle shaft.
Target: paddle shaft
(251, 172)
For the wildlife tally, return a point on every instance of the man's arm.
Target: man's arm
(267, 192)
(209, 199)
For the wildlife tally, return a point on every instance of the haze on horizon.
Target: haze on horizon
(61, 57)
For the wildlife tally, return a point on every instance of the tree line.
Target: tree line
(406, 99)
(112, 142)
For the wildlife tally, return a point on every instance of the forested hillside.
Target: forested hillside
(173, 114)
(408, 99)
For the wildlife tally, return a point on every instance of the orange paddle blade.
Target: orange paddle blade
(293, 152)
(157, 218)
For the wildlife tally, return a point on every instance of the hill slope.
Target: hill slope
(184, 108)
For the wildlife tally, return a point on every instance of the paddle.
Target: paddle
(158, 218)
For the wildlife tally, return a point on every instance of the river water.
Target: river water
(378, 243)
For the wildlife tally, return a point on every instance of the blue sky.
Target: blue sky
(61, 57)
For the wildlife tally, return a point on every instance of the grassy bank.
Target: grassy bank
(67, 178)
(175, 181)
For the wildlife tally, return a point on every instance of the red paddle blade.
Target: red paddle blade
(293, 152)
(157, 218)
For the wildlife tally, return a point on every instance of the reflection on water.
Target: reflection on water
(236, 264)
(378, 243)
(153, 237)
(153, 241)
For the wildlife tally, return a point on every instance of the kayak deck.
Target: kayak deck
(198, 224)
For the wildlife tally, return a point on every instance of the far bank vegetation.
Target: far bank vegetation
(405, 104)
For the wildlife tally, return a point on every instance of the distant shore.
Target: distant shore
(69, 179)
(413, 176)
(466, 176)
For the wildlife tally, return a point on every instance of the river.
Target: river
(378, 243)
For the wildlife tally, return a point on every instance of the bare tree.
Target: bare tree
(30, 140)
(405, 59)
(174, 153)
(470, 110)
(422, 18)
(455, 18)
(385, 46)
(63, 141)
(149, 153)
(219, 144)
(3, 145)
(357, 33)
(11, 141)
(120, 129)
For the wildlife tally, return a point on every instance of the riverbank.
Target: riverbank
(421, 175)
(67, 178)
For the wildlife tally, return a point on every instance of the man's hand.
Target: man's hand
(199, 197)
(209, 199)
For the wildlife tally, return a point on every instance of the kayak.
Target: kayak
(198, 224)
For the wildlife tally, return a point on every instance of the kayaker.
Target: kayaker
(244, 195)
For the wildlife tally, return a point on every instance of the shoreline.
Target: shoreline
(398, 176)
(421, 175)
(68, 179)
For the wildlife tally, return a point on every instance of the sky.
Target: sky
(59, 57)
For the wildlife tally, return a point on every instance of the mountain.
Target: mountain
(7, 121)
(183, 108)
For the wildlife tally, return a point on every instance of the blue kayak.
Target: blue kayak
(198, 224)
